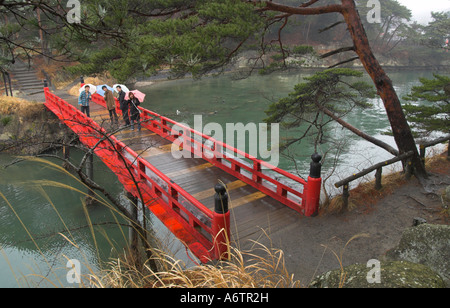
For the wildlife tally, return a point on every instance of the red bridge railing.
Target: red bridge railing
(304, 198)
(187, 218)
(206, 233)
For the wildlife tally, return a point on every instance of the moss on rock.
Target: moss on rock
(393, 274)
(425, 244)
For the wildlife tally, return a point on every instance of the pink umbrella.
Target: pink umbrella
(138, 94)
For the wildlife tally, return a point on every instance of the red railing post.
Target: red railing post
(220, 224)
(313, 186)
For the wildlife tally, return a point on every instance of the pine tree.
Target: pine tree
(430, 111)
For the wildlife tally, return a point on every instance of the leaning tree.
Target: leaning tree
(199, 36)
(361, 46)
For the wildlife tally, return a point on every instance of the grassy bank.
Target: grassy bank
(26, 127)
(365, 196)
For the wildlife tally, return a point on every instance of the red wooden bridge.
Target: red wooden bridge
(181, 192)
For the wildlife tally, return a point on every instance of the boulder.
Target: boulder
(5, 137)
(392, 274)
(425, 244)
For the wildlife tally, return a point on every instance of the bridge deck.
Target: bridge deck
(180, 192)
(251, 210)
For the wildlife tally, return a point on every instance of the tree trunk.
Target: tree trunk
(400, 127)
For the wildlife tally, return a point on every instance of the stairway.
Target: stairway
(25, 80)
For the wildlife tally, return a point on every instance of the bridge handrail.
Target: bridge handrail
(173, 192)
(379, 168)
(99, 99)
(207, 212)
(269, 185)
(236, 163)
(239, 152)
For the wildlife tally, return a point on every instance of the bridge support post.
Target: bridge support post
(313, 187)
(221, 224)
(133, 233)
(90, 174)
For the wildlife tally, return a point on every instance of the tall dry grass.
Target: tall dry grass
(99, 80)
(20, 107)
(365, 194)
(262, 267)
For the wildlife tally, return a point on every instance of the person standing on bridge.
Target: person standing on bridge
(133, 102)
(84, 99)
(123, 105)
(111, 105)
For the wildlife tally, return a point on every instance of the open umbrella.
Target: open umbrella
(124, 88)
(100, 89)
(138, 94)
(92, 88)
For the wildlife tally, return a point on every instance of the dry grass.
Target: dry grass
(104, 79)
(262, 267)
(365, 195)
(438, 164)
(20, 107)
(258, 269)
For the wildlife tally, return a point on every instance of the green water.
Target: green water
(223, 100)
(227, 100)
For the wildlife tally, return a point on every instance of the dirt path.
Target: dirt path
(309, 245)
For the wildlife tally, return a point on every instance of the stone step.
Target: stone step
(23, 74)
(30, 82)
(27, 80)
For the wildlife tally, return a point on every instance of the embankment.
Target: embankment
(28, 128)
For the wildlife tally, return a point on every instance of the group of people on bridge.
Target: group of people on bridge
(128, 105)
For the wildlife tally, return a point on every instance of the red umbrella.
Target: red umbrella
(138, 94)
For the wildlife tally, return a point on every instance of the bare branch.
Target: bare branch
(334, 52)
(304, 10)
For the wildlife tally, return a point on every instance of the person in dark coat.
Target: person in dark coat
(133, 104)
(123, 105)
(110, 105)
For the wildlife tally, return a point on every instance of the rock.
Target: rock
(428, 245)
(417, 221)
(393, 274)
(5, 137)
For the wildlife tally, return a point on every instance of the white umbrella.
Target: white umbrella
(124, 88)
(92, 88)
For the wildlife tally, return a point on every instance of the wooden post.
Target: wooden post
(313, 186)
(133, 236)
(66, 152)
(422, 154)
(408, 169)
(378, 176)
(90, 174)
(221, 224)
(345, 196)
